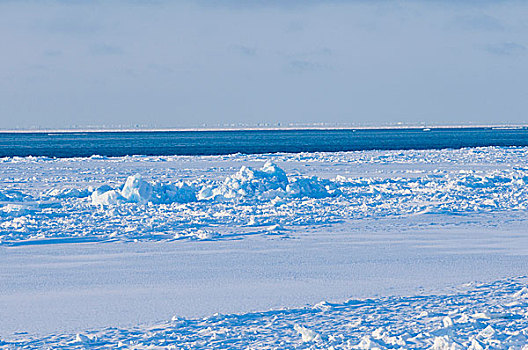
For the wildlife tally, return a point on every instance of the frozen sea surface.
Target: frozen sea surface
(92, 243)
(222, 197)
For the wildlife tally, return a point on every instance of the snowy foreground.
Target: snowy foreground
(94, 252)
(478, 316)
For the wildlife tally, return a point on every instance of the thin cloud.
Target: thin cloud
(301, 66)
(243, 50)
(71, 26)
(105, 49)
(319, 52)
(52, 53)
(506, 49)
(477, 23)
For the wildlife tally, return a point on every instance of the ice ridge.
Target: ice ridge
(201, 205)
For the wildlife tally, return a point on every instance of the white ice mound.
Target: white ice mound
(312, 187)
(106, 195)
(173, 193)
(307, 335)
(247, 184)
(267, 183)
(137, 190)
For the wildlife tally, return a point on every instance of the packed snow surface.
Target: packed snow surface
(476, 316)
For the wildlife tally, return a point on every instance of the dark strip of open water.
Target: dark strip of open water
(78, 144)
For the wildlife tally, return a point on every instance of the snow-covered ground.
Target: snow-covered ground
(89, 243)
(168, 198)
(477, 316)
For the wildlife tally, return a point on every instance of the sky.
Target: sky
(184, 64)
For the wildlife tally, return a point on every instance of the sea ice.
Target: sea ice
(137, 190)
(166, 200)
(209, 199)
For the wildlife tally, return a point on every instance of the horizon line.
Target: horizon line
(268, 128)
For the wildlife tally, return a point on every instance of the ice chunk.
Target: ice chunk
(205, 193)
(368, 343)
(481, 316)
(274, 172)
(521, 294)
(487, 332)
(105, 195)
(173, 193)
(443, 343)
(137, 190)
(475, 345)
(447, 321)
(81, 338)
(307, 335)
(268, 183)
(323, 305)
(308, 187)
(250, 182)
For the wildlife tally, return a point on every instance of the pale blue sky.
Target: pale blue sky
(188, 63)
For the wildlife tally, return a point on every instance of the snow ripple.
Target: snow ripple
(476, 316)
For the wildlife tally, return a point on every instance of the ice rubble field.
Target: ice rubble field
(168, 198)
(476, 316)
(282, 224)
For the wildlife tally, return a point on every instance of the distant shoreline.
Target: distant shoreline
(293, 128)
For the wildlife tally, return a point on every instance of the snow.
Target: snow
(136, 190)
(95, 251)
(386, 323)
(163, 199)
(105, 195)
(11, 196)
(307, 335)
